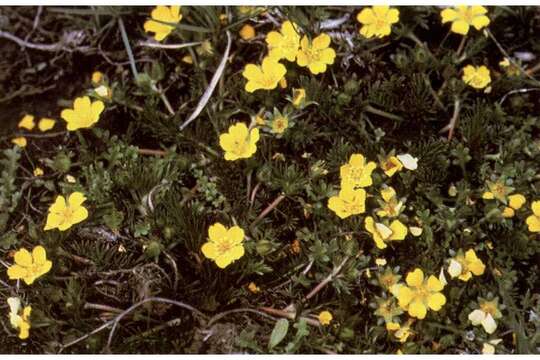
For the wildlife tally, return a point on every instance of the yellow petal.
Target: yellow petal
(460, 27)
(533, 222)
(80, 214)
(415, 278)
(27, 122)
(210, 250)
(236, 234)
(436, 301)
(366, 16)
(39, 255)
(388, 193)
(236, 252)
(76, 199)
(223, 261)
(404, 296)
(46, 124)
(399, 231)
(19, 141)
(434, 285)
(217, 232)
(535, 206)
(23, 258)
(417, 309)
(508, 212)
(448, 15)
(476, 317)
(488, 195)
(480, 21)
(489, 324)
(15, 272)
(516, 201)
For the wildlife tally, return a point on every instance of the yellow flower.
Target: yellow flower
(420, 294)
(464, 266)
(391, 207)
(247, 32)
(315, 54)
(19, 141)
(391, 165)
(64, 215)
(38, 171)
(29, 266)
(46, 124)
(497, 190)
(187, 59)
(224, 245)
(356, 173)
(239, 142)
(489, 347)
(382, 234)
(515, 202)
(377, 20)
(97, 77)
(477, 77)
(533, 221)
(325, 317)
(462, 17)
(486, 315)
(253, 288)
(380, 261)
(348, 202)
(27, 122)
(284, 44)
(299, 98)
(280, 124)
(388, 279)
(163, 14)
(264, 77)
(84, 113)
(403, 333)
(19, 320)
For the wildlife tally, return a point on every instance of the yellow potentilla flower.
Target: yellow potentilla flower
(464, 266)
(348, 202)
(46, 124)
(377, 20)
(247, 32)
(356, 173)
(477, 77)
(64, 215)
(392, 206)
(19, 141)
(84, 113)
(224, 245)
(97, 77)
(285, 43)
(420, 294)
(18, 317)
(299, 98)
(29, 266)
(253, 288)
(463, 17)
(280, 124)
(486, 315)
(515, 202)
(239, 142)
(533, 221)
(27, 122)
(163, 14)
(316, 55)
(382, 234)
(38, 171)
(497, 190)
(266, 76)
(391, 165)
(325, 317)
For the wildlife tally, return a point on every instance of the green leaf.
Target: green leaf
(278, 334)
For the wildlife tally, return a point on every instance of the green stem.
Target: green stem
(382, 113)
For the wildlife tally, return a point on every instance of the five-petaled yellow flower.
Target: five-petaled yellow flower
(280, 124)
(27, 122)
(382, 234)
(84, 113)
(325, 317)
(464, 266)
(477, 77)
(224, 245)
(239, 142)
(19, 317)
(247, 32)
(20, 141)
(533, 221)
(377, 20)
(420, 294)
(348, 202)
(46, 124)
(316, 54)
(356, 173)
(391, 165)
(64, 215)
(265, 76)
(463, 17)
(285, 43)
(163, 14)
(29, 266)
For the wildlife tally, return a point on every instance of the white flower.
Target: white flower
(442, 278)
(408, 161)
(14, 307)
(478, 317)
(489, 347)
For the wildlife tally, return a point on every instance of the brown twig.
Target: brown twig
(269, 208)
(326, 280)
(288, 315)
(453, 121)
(151, 152)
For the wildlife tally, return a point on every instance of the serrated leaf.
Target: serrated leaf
(278, 333)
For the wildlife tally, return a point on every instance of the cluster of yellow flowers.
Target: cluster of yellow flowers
(351, 199)
(27, 122)
(287, 44)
